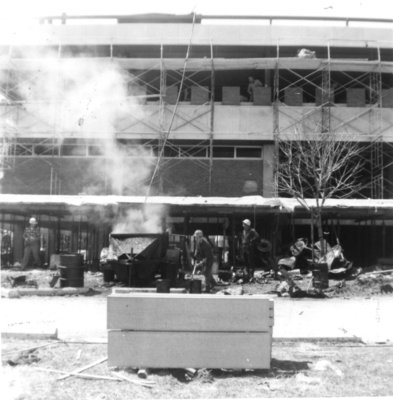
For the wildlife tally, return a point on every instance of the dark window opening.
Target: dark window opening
(248, 152)
(69, 150)
(223, 152)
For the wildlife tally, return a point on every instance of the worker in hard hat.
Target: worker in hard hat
(249, 243)
(204, 258)
(32, 241)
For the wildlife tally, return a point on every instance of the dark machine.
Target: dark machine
(139, 260)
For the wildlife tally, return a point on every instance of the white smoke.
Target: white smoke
(84, 99)
(147, 220)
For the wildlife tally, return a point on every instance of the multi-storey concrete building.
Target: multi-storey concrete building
(159, 105)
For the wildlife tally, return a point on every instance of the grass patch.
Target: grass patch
(297, 370)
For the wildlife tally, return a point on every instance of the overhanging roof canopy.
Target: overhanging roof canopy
(63, 205)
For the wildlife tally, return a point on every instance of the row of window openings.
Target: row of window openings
(134, 151)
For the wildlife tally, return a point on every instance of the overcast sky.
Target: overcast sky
(342, 8)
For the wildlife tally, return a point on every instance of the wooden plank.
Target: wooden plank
(83, 368)
(139, 382)
(187, 312)
(79, 375)
(145, 290)
(189, 349)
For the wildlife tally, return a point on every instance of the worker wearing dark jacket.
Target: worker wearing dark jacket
(249, 243)
(204, 258)
(32, 239)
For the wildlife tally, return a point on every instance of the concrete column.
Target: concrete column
(268, 77)
(18, 241)
(389, 182)
(268, 171)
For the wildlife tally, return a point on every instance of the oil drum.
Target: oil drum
(196, 286)
(71, 270)
(163, 285)
(108, 273)
(320, 275)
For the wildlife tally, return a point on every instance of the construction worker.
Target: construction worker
(249, 243)
(252, 84)
(204, 258)
(32, 238)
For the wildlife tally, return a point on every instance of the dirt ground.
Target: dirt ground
(373, 281)
(297, 370)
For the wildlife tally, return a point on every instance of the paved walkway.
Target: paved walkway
(84, 318)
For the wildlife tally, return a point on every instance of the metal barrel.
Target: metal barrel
(320, 274)
(163, 285)
(108, 274)
(196, 286)
(71, 270)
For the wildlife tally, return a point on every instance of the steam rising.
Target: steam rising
(86, 100)
(148, 220)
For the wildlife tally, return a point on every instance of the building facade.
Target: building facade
(175, 94)
(161, 105)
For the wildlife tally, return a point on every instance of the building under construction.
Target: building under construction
(158, 107)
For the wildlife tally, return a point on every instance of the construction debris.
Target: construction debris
(140, 382)
(22, 280)
(25, 358)
(238, 291)
(78, 375)
(387, 288)
(81, 369)
(143, 373)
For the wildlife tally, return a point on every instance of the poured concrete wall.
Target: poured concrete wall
(179, 34)
(192, 122)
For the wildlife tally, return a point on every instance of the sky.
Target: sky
(338, 8)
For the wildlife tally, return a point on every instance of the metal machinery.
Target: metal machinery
(138, 260)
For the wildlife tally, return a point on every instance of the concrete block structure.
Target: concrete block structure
(148, 330)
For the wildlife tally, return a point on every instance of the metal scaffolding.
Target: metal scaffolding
(330, 81)
(170, 83)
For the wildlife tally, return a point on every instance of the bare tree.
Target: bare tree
(317, 166)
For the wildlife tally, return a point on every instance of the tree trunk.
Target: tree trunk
(320, 233)
(312, 235)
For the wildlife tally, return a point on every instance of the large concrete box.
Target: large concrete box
(323, 97)
(293, 96)
(356, 97)
(231, 95)
(171, 94)
(387, 97)
(159, 330)
(262, 96)
(199, 95)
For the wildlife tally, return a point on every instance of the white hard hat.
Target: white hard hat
(247, 222)
(32, 220)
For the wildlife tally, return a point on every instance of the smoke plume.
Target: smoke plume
(85, 99)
